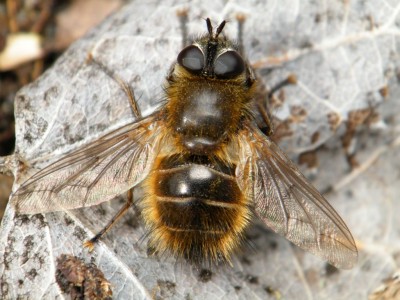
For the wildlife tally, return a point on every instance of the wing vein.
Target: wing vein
(280, 196)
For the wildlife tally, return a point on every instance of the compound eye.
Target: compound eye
(229, 64)
(191, 58)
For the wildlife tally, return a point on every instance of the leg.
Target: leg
(291, 79)
(261, 93)
(262, 104)
(183, 18)
(125, 87)
(90, 243)
(240, 19)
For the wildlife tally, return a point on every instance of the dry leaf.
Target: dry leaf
(20, 48)
(341, 59)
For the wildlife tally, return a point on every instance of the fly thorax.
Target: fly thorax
(203, 122)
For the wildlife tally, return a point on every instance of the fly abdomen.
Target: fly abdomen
(195, 210)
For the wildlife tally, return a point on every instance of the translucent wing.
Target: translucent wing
(93, 174)
(289, 205)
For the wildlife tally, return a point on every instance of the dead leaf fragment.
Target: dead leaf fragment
(389, 290)
(71, 25)
(80, 280)
(20, 48)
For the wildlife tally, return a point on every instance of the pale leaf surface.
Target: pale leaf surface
(342, 52)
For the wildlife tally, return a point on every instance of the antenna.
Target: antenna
(210, 29)
(220, 28)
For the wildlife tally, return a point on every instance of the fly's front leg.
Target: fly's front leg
(183, 19)
(241, 18)
(125, 86)
(263, 95)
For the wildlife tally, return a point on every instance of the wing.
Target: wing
(288, 204)
(95, 173)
